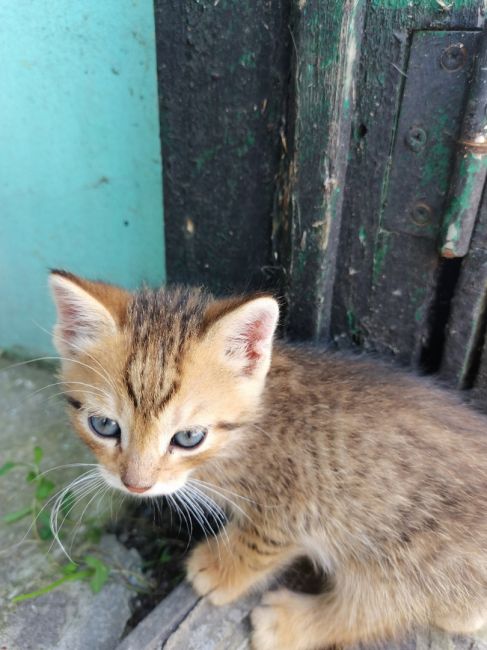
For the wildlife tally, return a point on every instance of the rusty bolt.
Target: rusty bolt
(421, 214)
(416, 138)
(454, 57)
(448, 253)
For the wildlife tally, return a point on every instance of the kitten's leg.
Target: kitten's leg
(286, 620)
(236, 560)
(467, 624)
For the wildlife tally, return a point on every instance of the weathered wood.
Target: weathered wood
(466, 327)
(223, 69)
(439, 67)
(468, 180)
(317, 97)
(386, 280)
(326, 39)
(159, 624)
(479, 392)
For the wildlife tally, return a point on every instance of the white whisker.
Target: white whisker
(83, 476)
(88, 477)
(98, 392)
(68, 465)
(218, 493)
(204, 501)
(77, 347)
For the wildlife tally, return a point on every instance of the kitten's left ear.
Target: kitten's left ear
(244, 335)
(86, 311)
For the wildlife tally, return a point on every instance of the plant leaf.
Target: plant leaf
(94, 534)
(68, 502)
(38, 454)
(44, 488)
(69, 568)
(165, 556)
(100, 572)
(11, 517)
(78, 575)
(31, 476)
(6, 467)
(44, 525)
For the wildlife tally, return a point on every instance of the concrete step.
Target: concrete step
(184, 621)
(70, 617)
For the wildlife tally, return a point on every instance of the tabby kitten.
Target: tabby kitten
(379, 477)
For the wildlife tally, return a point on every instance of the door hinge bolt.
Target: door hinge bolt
(416, 138)
(454, 57)
(421, 214)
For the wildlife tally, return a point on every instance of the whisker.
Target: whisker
(186, 515)
(68, 465)
(83, 476)
(173, 503)
(58, 503)
(77, 347)
(82, 492)
(65, 392)
(198, 519)
(79, 522)
(219, 487)
(52, 358)
(81, 383)
(183, 513)
(196, 507)
(188, 512)
(204, 501)
(215, 491)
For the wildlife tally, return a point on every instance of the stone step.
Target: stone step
(185, 621)
(70, 617)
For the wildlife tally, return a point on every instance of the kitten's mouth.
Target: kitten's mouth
(160, 488)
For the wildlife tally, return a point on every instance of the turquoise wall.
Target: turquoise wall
(80, 167)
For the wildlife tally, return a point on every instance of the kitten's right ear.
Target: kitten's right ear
(82, 316)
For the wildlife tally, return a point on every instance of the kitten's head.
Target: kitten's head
(159, 382)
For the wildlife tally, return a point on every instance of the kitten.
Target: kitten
(377, 476)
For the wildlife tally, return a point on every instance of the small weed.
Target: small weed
(89, 568)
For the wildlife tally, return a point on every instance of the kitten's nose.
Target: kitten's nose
(135, 488)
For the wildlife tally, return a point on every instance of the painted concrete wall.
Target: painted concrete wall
(80, 167)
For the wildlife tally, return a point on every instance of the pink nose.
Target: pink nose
(135, 488)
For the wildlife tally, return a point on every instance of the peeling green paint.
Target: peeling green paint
(418, 314)
(249, 142)
(441, 6)
(247, 60)
(470, 167)
(205, 156)
(362, 235)
(417, 296)
(352, 322)
(437, 164)
(354, 329)
(380, 252)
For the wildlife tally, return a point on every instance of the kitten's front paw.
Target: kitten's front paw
(272, 622)
(209, 576)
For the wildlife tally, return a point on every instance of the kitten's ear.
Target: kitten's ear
(244, 335)
(86, 311)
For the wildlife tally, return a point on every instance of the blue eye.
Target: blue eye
(104, 427)
(189, 438)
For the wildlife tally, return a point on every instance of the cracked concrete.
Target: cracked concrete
(70, 617)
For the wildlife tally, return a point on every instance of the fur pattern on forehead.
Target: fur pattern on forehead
(160, 324)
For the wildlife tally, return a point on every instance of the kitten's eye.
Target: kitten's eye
(189, 438)
(104, 427)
